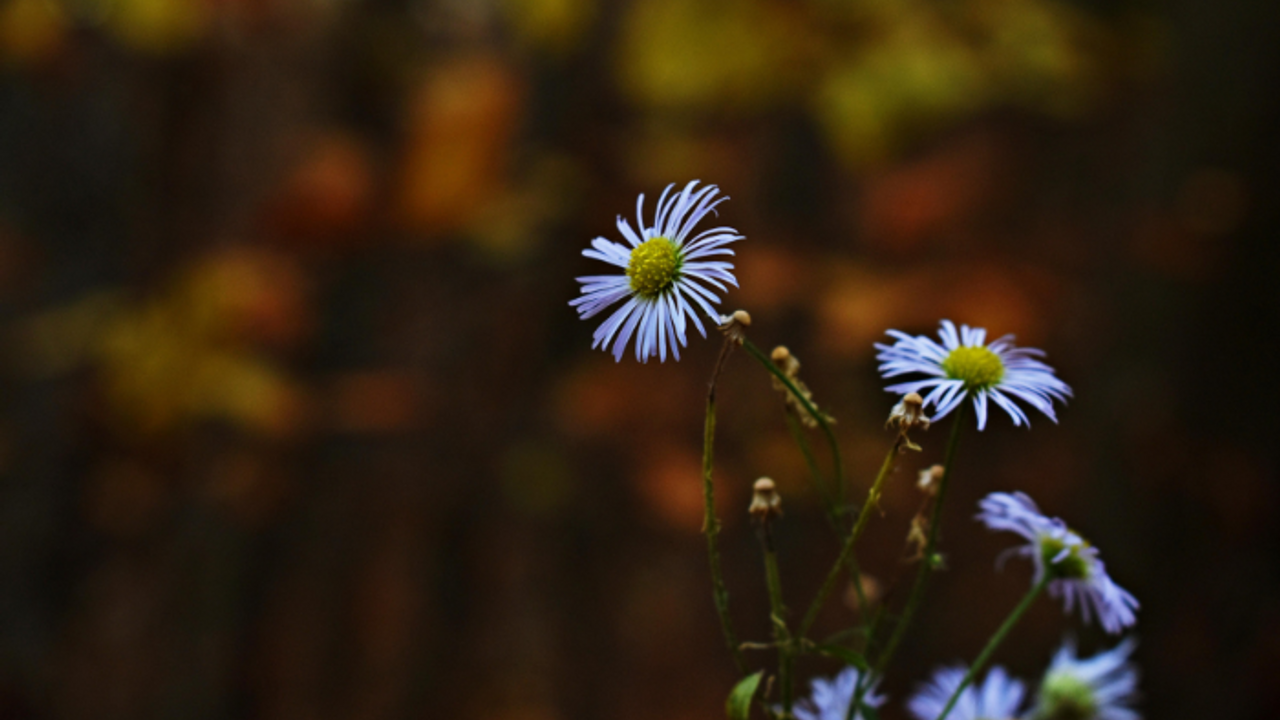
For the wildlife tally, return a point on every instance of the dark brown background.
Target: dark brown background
(297, 422)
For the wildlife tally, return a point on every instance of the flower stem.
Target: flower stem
(710, 523)
(846, 552)
(927, 563)
(838, 464)
(778, 615)
(994, 643)
(809, 408)
(797, 434)
(833, 514)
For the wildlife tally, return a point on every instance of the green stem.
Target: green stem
(711, 524)
(846, 552)
(797, 434)
(927, 563)
(833, 516)
(778, 612)
(808, 406)
(994, 643)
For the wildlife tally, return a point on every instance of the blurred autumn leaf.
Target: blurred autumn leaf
(31, 31)
(327, 196)
(556, 26)
(459, 127)
(193, 352)
(914, 75)
(157, 26)
(708, 55)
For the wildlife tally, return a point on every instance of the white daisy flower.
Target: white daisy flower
(1077, 575)
(996, 698)
(962, 366)
(1099, 688)
(829, 699)
(665, 275)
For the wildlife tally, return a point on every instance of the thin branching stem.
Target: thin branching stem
(778, 616)
(829, 503)
(710, 523)
(928, 563)
(846, 552)
(837, 462)
(994, 643)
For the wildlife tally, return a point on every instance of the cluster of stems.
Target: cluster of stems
(790, 644)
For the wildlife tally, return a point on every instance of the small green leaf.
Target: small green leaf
(738, 706)
(844, 654)
(869, 713)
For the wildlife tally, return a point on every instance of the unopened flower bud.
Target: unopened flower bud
(918, 536)
(785, 361)
(766, 503)
(735, 325)
(789, 364)
(930, 478)
(908, 414)
(872, 590)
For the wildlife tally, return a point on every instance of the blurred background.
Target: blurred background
(296, 421)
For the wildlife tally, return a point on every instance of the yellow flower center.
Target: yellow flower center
(653, 267)
(978, 367)
(1064, 696)
(1071, 567)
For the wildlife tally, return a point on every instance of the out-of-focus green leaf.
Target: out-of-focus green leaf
(738, 706)
(845, 655)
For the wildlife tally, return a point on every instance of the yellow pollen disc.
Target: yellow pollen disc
(1072, 567)
(653, 267)
(978, 367)
(1065, 696)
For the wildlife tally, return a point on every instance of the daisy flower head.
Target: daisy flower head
(1102, 687)
(964, 366)
(667, 275)
(829, 699)
(996, 698)
(1076, 574)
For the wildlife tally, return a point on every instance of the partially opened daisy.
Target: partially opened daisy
(1076, 574)
(964, 367)
(996, 698)
(829, 699)
(667, 276)
(1098, 688)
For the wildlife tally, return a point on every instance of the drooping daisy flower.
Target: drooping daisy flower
(665, 275)
(1076, 574)
(829, 699)
(996, 698)
(1099, 688)
(962, 366)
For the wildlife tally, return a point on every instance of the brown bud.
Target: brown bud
(908, 414)
(765, 501)
(735, 325)
(930, 478)
(872, 590)
(789, 365)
